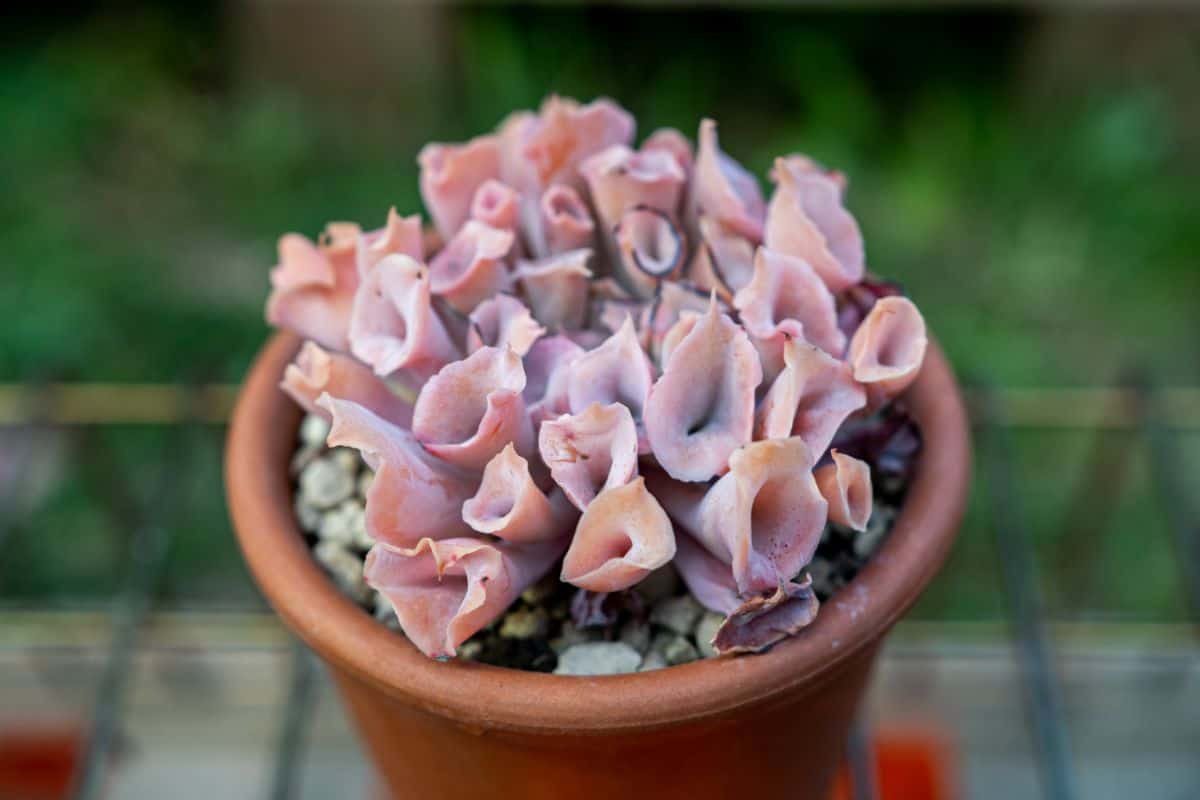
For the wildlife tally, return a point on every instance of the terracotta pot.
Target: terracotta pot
(770, 725)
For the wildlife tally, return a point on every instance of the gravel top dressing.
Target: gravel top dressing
(555, 627)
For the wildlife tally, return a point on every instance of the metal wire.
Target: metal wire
(1167, 472)
(293, 729)
(862, 762)
(1043, 704)
(148, 550)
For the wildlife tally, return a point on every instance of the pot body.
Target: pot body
(768, 725)
(790, 748)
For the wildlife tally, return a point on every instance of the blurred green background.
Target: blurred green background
(1030, 177)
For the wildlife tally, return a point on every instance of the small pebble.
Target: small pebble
(679, 630)
(346, 568)
(706, 629)
(346, 458)
(679, 650)
(598, 658)
(525, 623)
(658, 585)
(346, 524)
(679, 613)
(572, 635)
(314, 430)
(308, 515)
(866, 542)
(303, 457)
(324, 483)
(636, 634)
(470, 650)
(653, 660)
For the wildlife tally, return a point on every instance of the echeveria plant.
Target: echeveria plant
(600, 360)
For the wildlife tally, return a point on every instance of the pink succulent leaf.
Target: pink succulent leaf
(450, 176)
(889, 441)
(469, 410)
(709, 579)
(806, 219)
(723, 261)
(471, 267)
(684, 324)
(768, 618)
(400, 235)
(502, 321)
(589, 452)
(445, 591)
(513, 132)
(702, 407)
(617, 371)
(751, 624)
(315, 372)
(557, 287)
(587, 338)
(393, 325)
(669, 140)
(563, 222)
(650, 249)
(845, 483)
(313, 286)
(496, 205)
(547, 371)
(623, 535)
(855, 302)
(770, 350)
(603, 609)
(607, 288)
(811, 398)
(724, 190)
(563, 134)
(609, 315)
(888, 348)
(610, 303)
(509, 504)
(764, 517)
(672, 302)
(786, 289)
(619, 179)
(414, 495)
(799, 163)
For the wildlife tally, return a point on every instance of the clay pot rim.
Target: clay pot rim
(260, 440)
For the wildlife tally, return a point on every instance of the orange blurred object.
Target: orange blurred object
(38, 762)
(911, 763)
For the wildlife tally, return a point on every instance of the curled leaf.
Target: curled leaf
(445, 591)
(622, 536)
(888, 348)
(315, 372)
(845, 483)
(471, 409)
(413, 495)
(313, 286)
(450, 176)
(510, 506)
(393, 325)
(702, 407)
(589, 452)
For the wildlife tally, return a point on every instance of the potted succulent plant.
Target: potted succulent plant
(618, 417)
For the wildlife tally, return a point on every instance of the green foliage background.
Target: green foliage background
(1030, 178)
